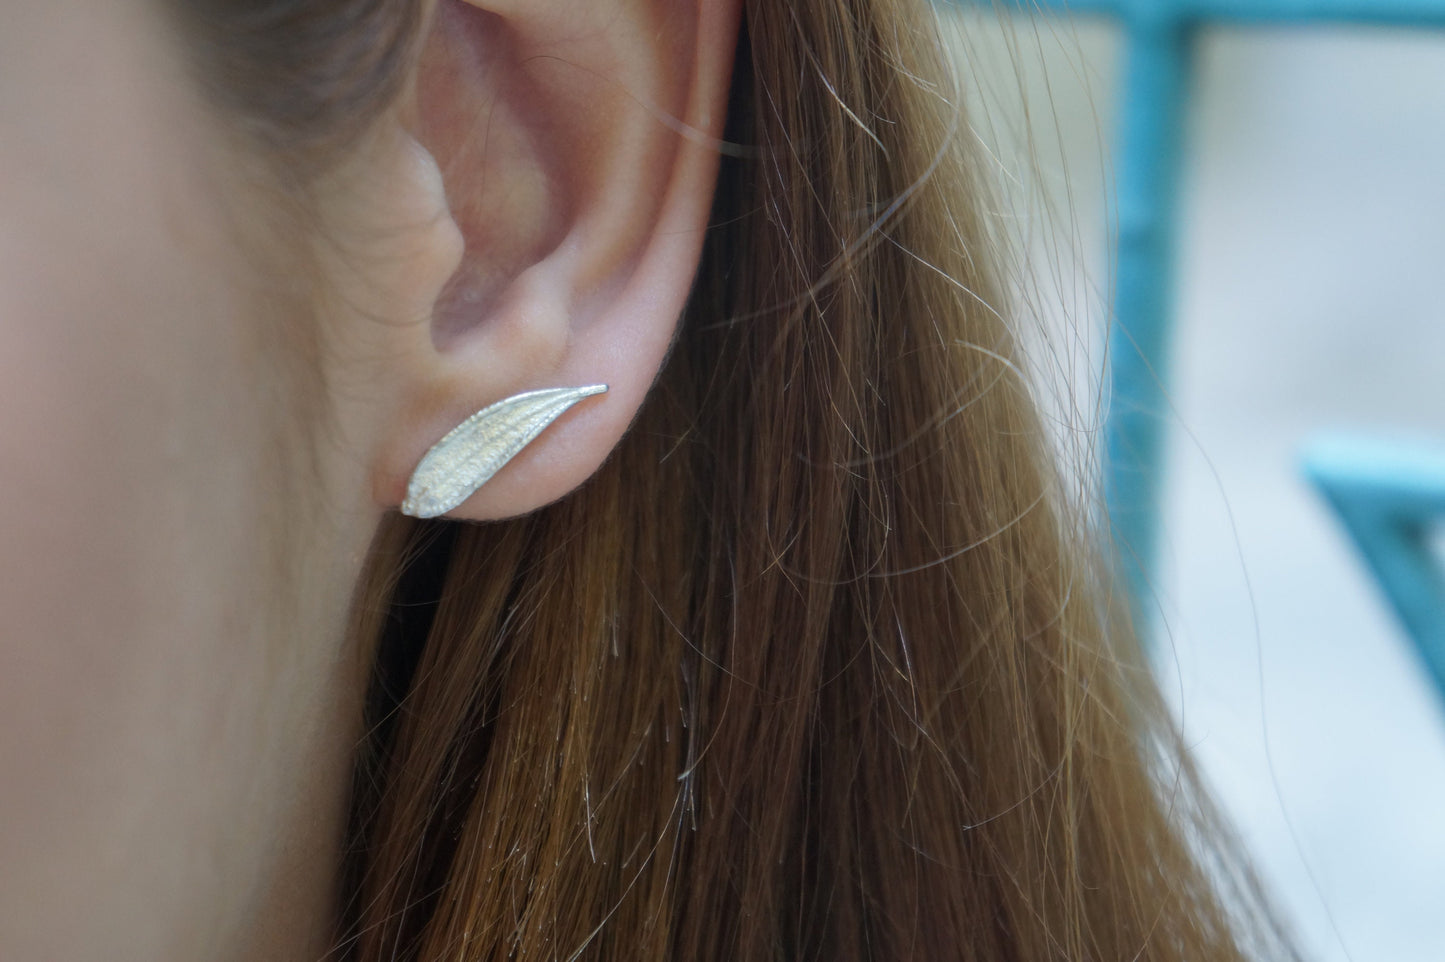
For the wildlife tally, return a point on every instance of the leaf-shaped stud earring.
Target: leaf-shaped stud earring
(480, 446)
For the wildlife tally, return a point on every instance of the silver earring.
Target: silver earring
(480, 446)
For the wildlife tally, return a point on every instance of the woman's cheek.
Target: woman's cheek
(134, 470)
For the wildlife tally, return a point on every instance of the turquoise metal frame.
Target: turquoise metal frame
(1391, 498)
(1158, 41)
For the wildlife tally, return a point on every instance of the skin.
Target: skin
(174, 725)
(186, 514)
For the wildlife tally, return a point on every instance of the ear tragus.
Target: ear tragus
(470, 111)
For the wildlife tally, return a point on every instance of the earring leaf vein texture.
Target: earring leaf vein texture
(475, 450)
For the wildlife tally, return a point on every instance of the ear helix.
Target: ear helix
(479, 447)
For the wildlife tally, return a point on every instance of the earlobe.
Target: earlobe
(577, 144)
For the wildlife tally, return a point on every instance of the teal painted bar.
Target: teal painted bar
(1156, 77)
(1389, 498)
(1401, 13)
(1159, 38)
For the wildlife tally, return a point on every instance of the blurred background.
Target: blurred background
(1308, 297)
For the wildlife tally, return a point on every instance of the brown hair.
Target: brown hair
(822, 663)
(303, 78)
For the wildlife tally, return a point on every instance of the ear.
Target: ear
(578, 150)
